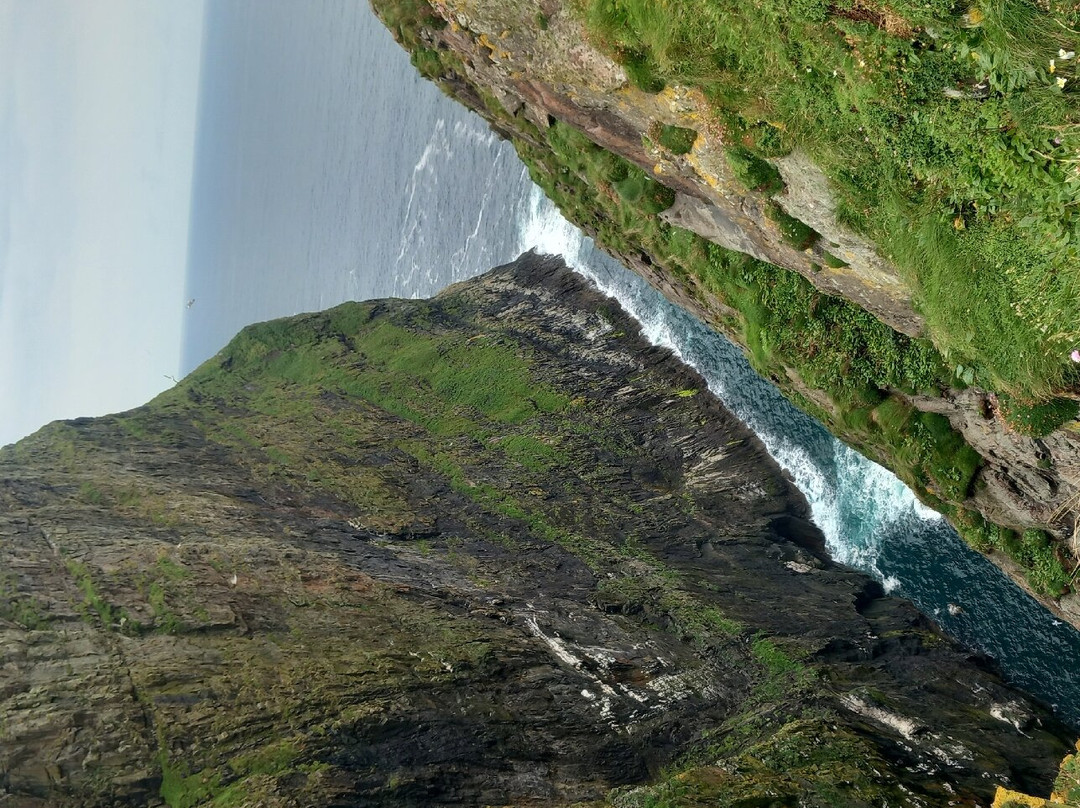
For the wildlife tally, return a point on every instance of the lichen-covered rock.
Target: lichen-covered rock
(486, 549)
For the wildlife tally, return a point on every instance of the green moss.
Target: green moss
(531, 452)
(772, 658)
(182, 790)
(270, 759)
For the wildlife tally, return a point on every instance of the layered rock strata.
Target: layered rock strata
(491, 548)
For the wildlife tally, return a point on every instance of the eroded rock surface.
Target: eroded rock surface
(486, 549)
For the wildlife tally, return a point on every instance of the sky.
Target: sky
(98, 105)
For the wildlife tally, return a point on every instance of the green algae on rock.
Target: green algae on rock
(490, 548)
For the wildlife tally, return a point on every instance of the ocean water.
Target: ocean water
(327, 170)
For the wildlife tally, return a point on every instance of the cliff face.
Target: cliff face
(1009, 484)
(490, 548)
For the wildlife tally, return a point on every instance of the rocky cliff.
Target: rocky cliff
(674, 178)
(490, 548)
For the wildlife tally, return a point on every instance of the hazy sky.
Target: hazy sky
(97, 133)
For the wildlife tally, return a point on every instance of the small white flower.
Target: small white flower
(1061, 82)
(1053, 67)
(1064, 54)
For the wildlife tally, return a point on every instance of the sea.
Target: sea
(327, 170)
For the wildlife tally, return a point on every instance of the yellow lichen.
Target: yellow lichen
(1004, 798)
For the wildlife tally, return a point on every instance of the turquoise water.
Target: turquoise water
(326, 170)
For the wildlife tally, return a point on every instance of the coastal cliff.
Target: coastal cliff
(490, 548)
(859, 224)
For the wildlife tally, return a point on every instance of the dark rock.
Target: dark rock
(500, 562)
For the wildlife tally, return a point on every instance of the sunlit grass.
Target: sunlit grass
(976, 197)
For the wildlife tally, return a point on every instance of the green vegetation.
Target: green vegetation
(765, 757)
(18, 607)
(676, 139)
(1068, 781)
(1037, 419)
(93, 603)
(414, 374)
(950, 132)
(753, 172)
(182, 790)
(832, 261)
(865, 367)
(638, 188)
(1033, 549)
(795, 233)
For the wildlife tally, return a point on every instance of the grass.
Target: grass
(676, 139)
(93, 603)
(753, 172)
(1033, 549)
(1037, 419)
(977, 199)
(414, 374)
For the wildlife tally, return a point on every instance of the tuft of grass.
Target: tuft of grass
(795, 233)
(676, 139)
(1045, 572)
(642, 73)
(650, 196)
(18, 607)
(1037, 419)
(772, 658)
(753, 172)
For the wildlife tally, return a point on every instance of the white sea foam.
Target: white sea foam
(853, 500)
